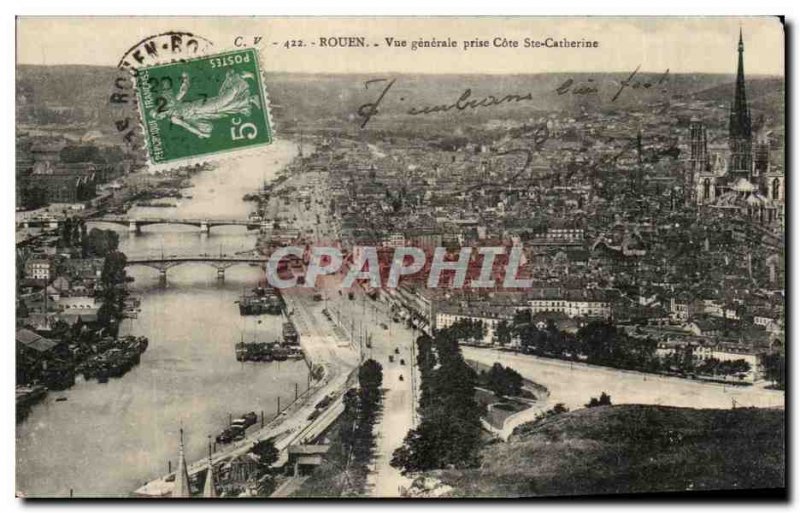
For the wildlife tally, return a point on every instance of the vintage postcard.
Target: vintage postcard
(416, 257)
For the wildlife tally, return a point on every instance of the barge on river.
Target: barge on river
(266, 352)
(261, 300)
(114, 358)
(290, 336)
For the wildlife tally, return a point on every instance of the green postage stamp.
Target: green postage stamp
(203, 107)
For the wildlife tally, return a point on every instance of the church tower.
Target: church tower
(761, 155)
(636, 177)
(698, 159)
(740, 137)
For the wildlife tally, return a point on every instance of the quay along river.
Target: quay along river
(108, 439)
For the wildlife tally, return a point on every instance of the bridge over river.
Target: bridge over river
(219, 262)
(135, 224)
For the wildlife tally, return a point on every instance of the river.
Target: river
(107, 439)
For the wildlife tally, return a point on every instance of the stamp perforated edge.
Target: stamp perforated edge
(218, 156)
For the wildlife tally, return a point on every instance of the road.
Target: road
(395, 340)
(360, 320)
(356, 321)
(575, 384)
(311, 217)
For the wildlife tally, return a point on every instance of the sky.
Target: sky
(680, 44)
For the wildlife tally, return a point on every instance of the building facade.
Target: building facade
(38, 269)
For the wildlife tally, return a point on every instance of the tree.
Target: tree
(739, 366)
(65, 232)
(521, 318)
(604, 400)
(33, 197)
(370, 379)
(558, 409)
(775, 369)
(83, 230)
(598, 341)
(642, 352)
(503, 333)
(467, 329)
(530, 337)
(22, 309)
(100, 243)
(356, 424)
(76, 329)
(113, 295)
(267, 455)
(449, 433)
(370, 375)
(503, 381)
(349, 419)
(113, 272)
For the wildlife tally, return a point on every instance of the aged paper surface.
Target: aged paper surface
(399, 257)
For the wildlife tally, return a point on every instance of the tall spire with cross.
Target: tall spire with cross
(740, 127)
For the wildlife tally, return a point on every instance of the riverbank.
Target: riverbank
(105, 439)
(298, 422)
(56, 342)
(695, 376)
(575, 383)
(329, 358)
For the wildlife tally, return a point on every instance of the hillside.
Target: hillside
(765, 96)
(631, 449)
(332, 99)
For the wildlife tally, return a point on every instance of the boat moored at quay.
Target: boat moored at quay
(261, 300)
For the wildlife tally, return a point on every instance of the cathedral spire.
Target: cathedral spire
(740, 133)
(740, 125)
(182, 475)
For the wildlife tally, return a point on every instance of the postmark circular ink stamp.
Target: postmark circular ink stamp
(156, 49)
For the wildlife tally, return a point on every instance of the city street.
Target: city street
(391, 346)
(368, 325)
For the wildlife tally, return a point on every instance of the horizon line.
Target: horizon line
(476, 73)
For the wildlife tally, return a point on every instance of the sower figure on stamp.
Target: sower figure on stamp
(233, 98)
